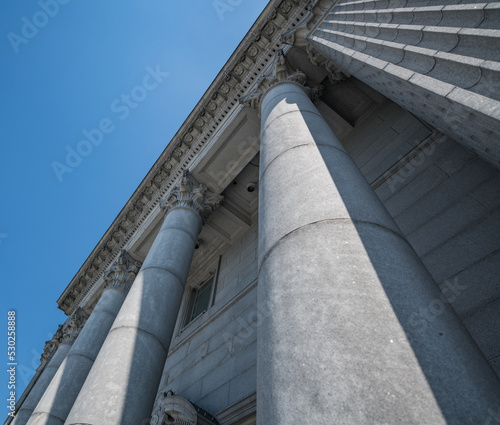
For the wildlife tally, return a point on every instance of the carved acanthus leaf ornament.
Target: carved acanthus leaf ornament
(190, 194)
(123, 272)
(73, 326)
(282, 73)
(51, 346)
(289, 37)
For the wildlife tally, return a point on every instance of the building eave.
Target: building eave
(221, 98)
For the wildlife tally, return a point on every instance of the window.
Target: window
(199, 300)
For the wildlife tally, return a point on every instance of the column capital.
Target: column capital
(72, 327)
(282, 73)
(51, 346)
(123, 272)
(190, 194)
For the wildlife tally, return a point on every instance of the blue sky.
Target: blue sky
(63, 75)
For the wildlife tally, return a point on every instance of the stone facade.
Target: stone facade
(318, 243)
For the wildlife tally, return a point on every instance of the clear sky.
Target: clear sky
(64, 69)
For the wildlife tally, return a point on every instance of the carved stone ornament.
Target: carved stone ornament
(282, 73)
(317, 59)
(171, 409)
(73, 326)
(123, 272)
(289, 36)
(190, 194)
(51, 346)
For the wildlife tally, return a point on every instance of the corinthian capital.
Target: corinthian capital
(123, 272)
(51, 346)
(190, 194)
(73, 326)
(282, 73)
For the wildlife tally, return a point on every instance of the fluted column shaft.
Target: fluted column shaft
(339, 284)
(121, 387)
(41, 385)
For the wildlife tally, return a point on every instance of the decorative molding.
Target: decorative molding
(289, 36)
(249, 60)
(240, 413)
(51, 346)
(334, 72)
(73, 326)
(190, 194)
(172, 409)
(281, 73)
(123, 272)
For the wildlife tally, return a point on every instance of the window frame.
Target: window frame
(194, 297)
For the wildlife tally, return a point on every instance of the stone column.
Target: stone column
(341, 288)
(121, 387)
(68, 334)
(57, 401)
(52, 357)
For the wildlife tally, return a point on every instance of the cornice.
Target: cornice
(216, 105)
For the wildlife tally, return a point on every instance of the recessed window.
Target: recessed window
(199, 300)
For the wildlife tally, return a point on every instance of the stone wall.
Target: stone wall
(212, 361)
(439, 59)
(446, 201)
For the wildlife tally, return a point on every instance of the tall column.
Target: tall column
(340, 284)
(67, 336)
(121, 386)
(57, 401)
(52, 357)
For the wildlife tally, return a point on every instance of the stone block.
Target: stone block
(408, 194)
(394, 151)
(193, 392)
(455, 159)
(377, 145)
(217, 377)
(400, 178)
(248, 248)
(495, 364)
(464, 249)
(243, 384)
(245, 358)
(248, 274)
(216, 400)
(447, 224)
(431, 198)
(475, 286)
(484, 326)
(488, 193)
